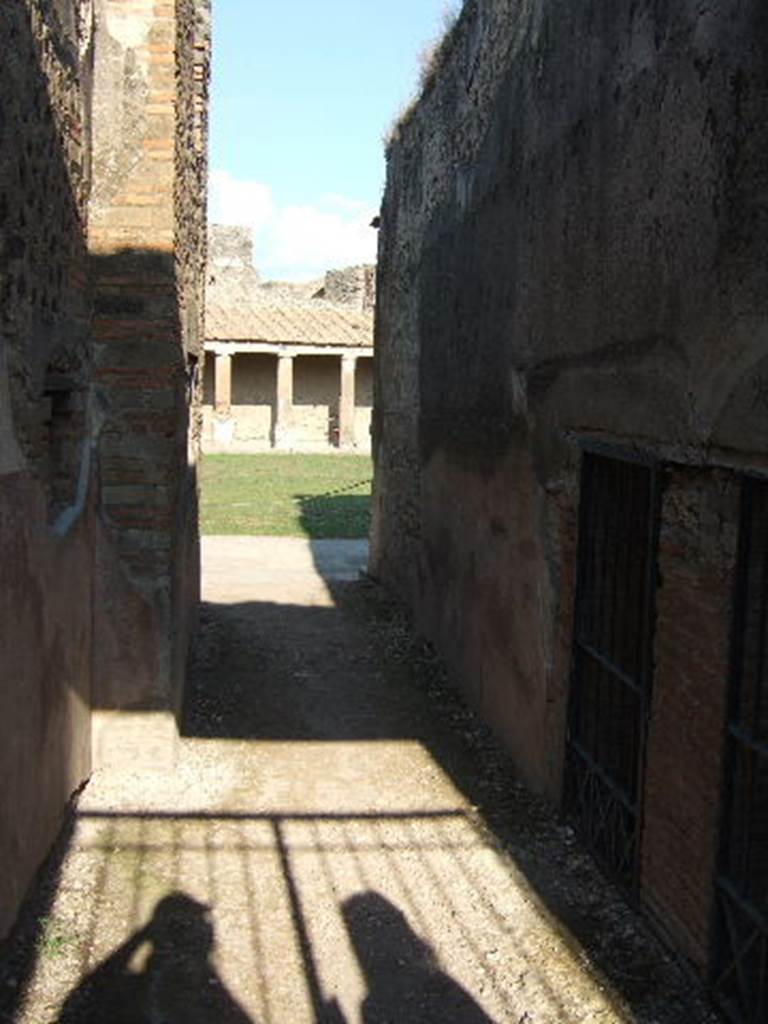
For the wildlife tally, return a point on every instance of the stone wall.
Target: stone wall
(192, 73)
(102, 205)
(254, 392)
(147, 242)
(315, 422)
(46, 428)
(230, 252)
(352, 286)
(573, 250)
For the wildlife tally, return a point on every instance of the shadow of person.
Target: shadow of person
(404, 980)
(177, 985)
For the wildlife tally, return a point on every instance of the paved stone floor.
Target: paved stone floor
(316, 853)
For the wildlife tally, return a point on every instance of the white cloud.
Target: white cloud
(295, 242)
(343, 202)
(238, 202)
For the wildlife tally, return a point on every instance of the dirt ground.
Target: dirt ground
(339, 841)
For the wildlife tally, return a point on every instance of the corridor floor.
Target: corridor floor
(321, 849)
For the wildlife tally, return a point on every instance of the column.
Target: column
(347, 402)
(223, 384)
(284, 409)
(223, 424)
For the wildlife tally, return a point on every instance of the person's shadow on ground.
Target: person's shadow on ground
(178, 984)
(404, 980)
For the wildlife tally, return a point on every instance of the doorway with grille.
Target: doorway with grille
(740, 964)
(612, 657)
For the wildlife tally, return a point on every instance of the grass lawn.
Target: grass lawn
(282, 494)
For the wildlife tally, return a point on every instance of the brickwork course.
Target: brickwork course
(102, 213)
(572, 259)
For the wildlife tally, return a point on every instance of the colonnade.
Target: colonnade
(284, 425)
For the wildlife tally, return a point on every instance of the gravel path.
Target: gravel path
(339, 841)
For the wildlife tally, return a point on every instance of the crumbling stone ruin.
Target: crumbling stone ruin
(571, 431)
(233, 277)
(103, 125)
(352, 286)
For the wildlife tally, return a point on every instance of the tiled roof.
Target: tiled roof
(233, 315)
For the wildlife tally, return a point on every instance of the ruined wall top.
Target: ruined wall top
(231, 273)
(230, 248)
(240, 305)
(352, 286)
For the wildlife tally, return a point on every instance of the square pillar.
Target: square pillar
(347, 402)
(223, 384)
(284, 410)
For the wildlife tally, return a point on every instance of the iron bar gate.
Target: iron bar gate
(612, 657)
(740, 965)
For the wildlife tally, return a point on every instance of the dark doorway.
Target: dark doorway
(740, 971)
(612, 657)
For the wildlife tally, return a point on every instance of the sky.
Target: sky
(303, 93)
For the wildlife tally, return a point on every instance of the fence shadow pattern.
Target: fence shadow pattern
(247, 918)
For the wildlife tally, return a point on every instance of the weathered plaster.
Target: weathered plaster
(573, 248)
(101, 274)
(573, 242)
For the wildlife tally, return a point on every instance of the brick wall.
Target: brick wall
(147, 245)
(683, 784)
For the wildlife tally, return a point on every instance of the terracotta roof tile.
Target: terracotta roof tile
(233, 315)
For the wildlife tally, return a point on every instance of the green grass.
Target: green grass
(277, 494)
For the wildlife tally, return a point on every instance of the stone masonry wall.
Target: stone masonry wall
(573, 247)
(46, 429)
(352, 286)
(193, 56)
(102, 252)
(147, 247)
(230, 250)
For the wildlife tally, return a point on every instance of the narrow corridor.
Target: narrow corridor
(317, 853)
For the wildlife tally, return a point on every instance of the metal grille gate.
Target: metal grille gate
(612, 657)
(740, 974)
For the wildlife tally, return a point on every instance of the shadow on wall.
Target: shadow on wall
(254, 394)
(46, 553)
(316, 399)
(148, 562)
(101, 591)
(93, 452)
